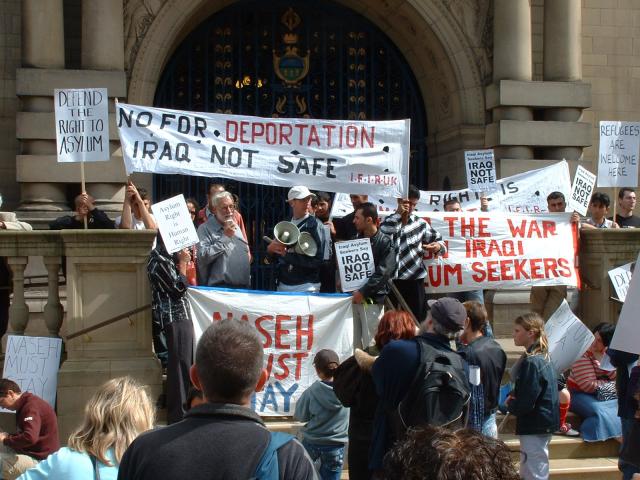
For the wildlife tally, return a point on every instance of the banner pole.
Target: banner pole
(84, 188)
(615, 202)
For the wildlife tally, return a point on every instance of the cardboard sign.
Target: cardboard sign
(568, 337)
(618, 154)
(500, 250)
(581, 191)
(522, 193)
(82, 124)
(355, 263)
(627, 334)
(481, 170)
(621, 279)
(356, 156)
(293, 327)
(33, 362)
(175, 224)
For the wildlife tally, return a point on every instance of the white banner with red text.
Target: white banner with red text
(293, 327)
(331, 155)
(522, 193)
(501, 251)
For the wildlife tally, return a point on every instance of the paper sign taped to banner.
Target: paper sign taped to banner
(618, 154)
(293, 327)
(621, 279)
(82, 124)
(523, 193)
(481, 170)
(356, 156)
(499, 250)
(568, 337)
(33, 363)
(581, 191)
(627, 334)
(174, 223)
(355, 263)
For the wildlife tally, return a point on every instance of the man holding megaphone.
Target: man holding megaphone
(298, 246)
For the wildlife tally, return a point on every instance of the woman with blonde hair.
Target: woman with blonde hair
(116, 414)
(534, 399)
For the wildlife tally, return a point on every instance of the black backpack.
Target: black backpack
(439, 393)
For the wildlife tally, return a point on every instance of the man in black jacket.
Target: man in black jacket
(84, 208)
(368, 300)
(222, 438)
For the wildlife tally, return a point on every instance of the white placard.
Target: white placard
(627, 334)
(293, 327)
(481, 170)
(618, 155)
(33, 362)
(174, 223)
(621, 278)
(355, 156)
(581, 191)
(355, 263)
(568, 337)
(82, 124)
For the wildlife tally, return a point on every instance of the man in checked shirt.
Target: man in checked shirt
(412, 237)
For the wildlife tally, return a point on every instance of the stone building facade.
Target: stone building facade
(529, 78)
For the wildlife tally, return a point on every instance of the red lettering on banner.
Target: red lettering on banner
(232, 133)
(531, 229)
(443, 274)
(313, 136)
(505, 266)
(299, 356)
(536, 267)
(564, 268)
(304, 332)
(261, 329)
(285, 369)
(469, 227)
(520, 271)
(280, 331)
(285, 136)
(513, 269)
(281, 363)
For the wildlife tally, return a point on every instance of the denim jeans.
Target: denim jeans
(331, 459)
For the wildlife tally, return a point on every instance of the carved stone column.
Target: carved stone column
(53, 309)
(563, 62)
(512, 61)
(18, 311)
(42, 34)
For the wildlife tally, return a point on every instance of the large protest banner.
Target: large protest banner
(82, 124)
(568, 337)
(293, 328)
(33, 362)
(618, 154)
(627, 334)
(523, 193)
(501, 251)
(330, 155)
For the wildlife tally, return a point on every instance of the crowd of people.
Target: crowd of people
(418, 399)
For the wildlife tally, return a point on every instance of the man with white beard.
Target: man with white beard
(223, 253)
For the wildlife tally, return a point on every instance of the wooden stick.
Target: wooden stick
(84, 187)
(615, 202)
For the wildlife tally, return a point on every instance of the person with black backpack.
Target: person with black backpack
(421, 381)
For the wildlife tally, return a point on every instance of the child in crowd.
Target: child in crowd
(534, 400)
(599, 208)
(325, 433)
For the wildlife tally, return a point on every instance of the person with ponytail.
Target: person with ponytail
(534, 399)
(325, 433)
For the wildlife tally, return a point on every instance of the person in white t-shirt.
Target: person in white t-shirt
(136, 210)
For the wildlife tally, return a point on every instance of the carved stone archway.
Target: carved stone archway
(446, 43)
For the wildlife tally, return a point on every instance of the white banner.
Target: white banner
(501, 251)
(581, 191)
(627, 334)
(481, 170)
(618, 154)
(355, 263)
(523, 193)
(82, 124)
(568, 337)
(330, 155)
(175, 224)
(293, 328)
(33, 363)
(621, 279)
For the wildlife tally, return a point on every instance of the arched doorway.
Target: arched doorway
(288, 59)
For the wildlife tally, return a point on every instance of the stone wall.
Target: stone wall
(9, 61)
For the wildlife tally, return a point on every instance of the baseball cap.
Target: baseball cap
(324, 358)
(448, 312)
(298, 193)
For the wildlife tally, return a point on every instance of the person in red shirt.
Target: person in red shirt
(36, 434)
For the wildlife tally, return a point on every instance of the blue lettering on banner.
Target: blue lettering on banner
(278, 398)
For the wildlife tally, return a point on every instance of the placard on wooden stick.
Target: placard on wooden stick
(355, 263)
(581, 191)
(481, 170)
(174, 223)
(618, 154)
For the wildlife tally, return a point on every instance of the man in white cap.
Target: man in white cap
(299, 272)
